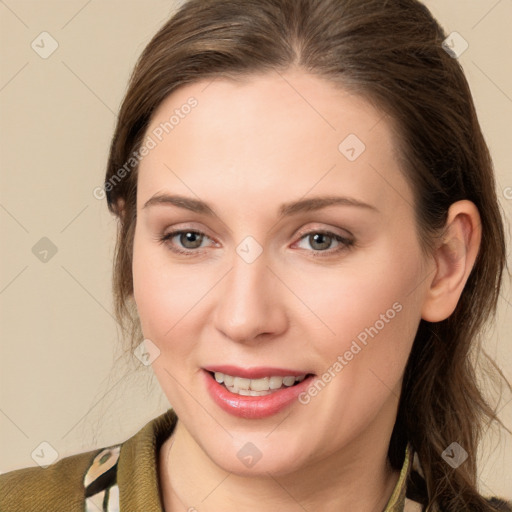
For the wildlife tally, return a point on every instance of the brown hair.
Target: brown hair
(390, 52)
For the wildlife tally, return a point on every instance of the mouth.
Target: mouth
(255, 393)
(257, 387)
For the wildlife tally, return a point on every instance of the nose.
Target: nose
(251, 302)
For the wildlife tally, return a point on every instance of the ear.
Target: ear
(120, 208)
(454, 259)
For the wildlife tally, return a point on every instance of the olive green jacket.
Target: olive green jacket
(124, 478)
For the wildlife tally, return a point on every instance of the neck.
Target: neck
(359, 479)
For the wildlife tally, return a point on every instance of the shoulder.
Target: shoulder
(95, 479)
(59, 486)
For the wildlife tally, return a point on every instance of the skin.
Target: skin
(248, 147)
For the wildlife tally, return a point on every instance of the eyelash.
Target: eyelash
(345, 243)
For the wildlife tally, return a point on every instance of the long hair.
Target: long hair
(391, 53)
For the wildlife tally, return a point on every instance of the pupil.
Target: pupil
(188, 239)
(326, 244)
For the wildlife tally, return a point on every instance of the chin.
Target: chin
(244, 457)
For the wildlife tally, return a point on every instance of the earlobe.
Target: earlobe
(120, 208)
(454, 260)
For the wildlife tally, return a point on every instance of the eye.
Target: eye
(188, 240)
(321, 241)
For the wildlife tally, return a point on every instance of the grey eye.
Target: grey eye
(190, 239)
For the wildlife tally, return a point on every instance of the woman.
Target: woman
(310, 244)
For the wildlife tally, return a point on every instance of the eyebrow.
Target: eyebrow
(286, 209)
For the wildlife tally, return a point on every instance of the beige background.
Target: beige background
(59, 379)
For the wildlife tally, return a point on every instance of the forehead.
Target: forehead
(291, 132)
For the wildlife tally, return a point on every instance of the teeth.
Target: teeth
(260, 384)
(228, 380)
(256, 387)
(275, 382)
(241, 383)
(289, 381)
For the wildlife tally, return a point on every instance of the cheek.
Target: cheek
(369, 316)
(168, 296)
(371, 294)
(372, 318)
(155, 293)
(160, 301)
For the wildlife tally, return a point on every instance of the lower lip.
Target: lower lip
(254, 407)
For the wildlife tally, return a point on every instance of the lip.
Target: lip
(257, 372)
(254, 407)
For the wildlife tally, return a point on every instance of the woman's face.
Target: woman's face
(285, 272)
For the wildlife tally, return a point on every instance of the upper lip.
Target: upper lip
(256, 372)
